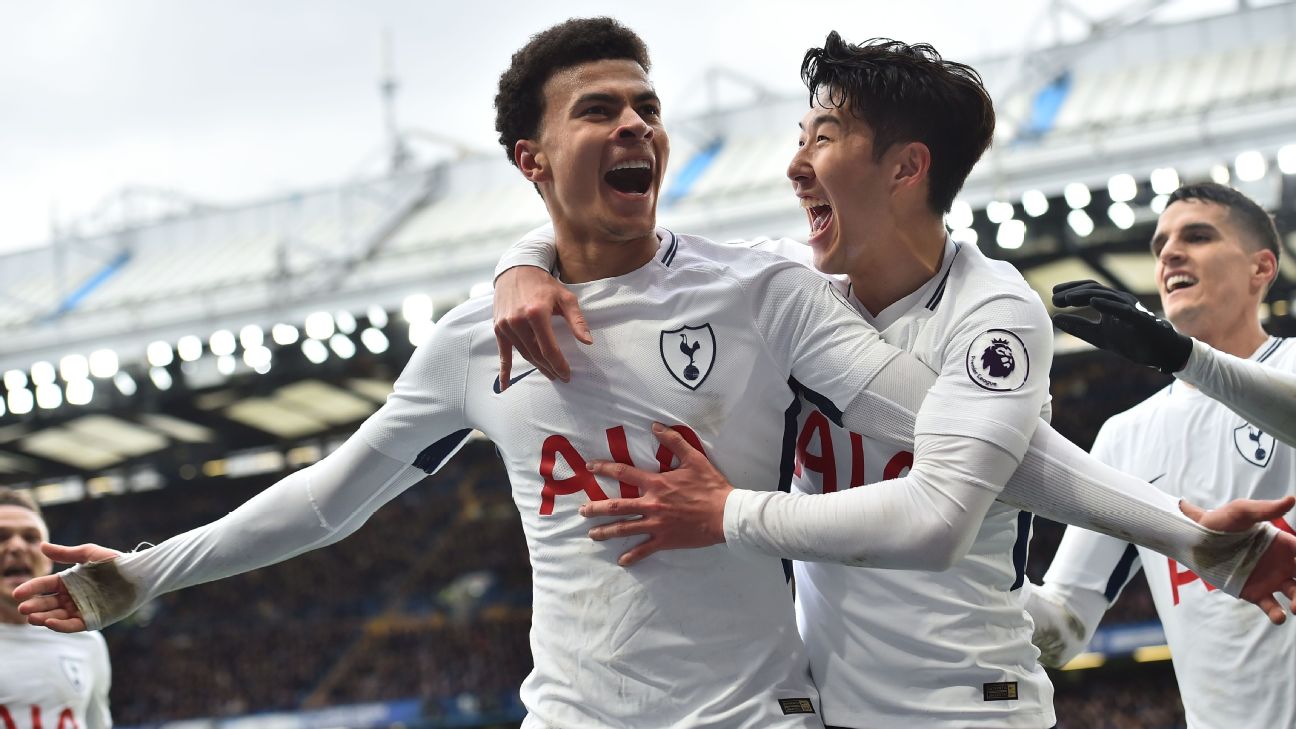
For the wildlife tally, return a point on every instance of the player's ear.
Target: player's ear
(1264, 268)
(531, 160)
(911, 162)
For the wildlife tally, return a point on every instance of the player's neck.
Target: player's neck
(910, 257)
(1238, 338)
(582, 257)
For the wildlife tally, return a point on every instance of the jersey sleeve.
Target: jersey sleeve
(413, 434)
(536, 248)
(1264, 395)
(994, 378)
(98, 714)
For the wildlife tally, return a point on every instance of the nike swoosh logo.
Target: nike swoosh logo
(512, 380)
(1158, 478)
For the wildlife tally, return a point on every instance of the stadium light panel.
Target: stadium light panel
(417, 308)
(319, 325)
(42, 373)
(221, 343)
(315, 350)
(1122, 187)
(74, 367)
(103, 363)
(251, 336)
(1035, 203)
(1250, 166)
(960, 215)
(189, 348)
(284, 334)
(1287, 159)
(346, 323)
(964, 235)
(1165, 180)
(225, 364)
(342, 345)
(80, 392)
(374, 340)
(20, 401)
(1121, 214)
(159, 354)
(257, 357)
(48, 396)
(1077, 195)
(125, 383)
(160, 377)
(15, 380)
(1011, 235)
(1159, 203)
(377, 316)
(998, 211)
(1220, 174)
(1080, 222)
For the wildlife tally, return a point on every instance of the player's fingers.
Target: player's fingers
(1078, 326)
(616, 530)
(613, 507)
(624, 473)
(1114, 306)
(1062, 288)
(506, 359)
(639, 552)
(38, 586)
(522, 338)
(571, 311)
(69, 625)
(550, 353)
(39, 604)
(1075, 293)
(676, 444)
(78, 554)
(1271, 607)
(1242, 513)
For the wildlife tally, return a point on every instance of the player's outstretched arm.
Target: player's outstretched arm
(1265, 396)
(306, 510)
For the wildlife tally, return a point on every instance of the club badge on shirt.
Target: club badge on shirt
(1253, 444)
(689, 353)
(997, 360)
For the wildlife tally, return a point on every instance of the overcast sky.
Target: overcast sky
(233, 100)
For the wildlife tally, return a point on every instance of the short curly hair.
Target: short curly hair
(519, 103)
(908, 93)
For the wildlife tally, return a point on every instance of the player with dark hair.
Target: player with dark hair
(1224, 429)
(694, 639)
(892, 132)
(46, 679)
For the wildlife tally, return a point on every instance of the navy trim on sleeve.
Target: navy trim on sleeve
(431, 458)
(1021, 548)
(1121, 574)
(787, 464)
(826, 406)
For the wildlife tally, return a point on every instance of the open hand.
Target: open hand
(46, 600)
(526, 300)
(679, 509)
(1275, 571)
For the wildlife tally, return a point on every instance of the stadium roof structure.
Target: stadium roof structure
(1092, 136)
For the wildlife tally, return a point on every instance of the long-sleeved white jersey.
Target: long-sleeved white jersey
(50, 680)
(1233, 666)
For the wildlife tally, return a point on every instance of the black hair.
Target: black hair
(908, 93)
(519, 103)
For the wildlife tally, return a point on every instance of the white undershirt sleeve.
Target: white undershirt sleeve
(536, 248)
(1265, 396)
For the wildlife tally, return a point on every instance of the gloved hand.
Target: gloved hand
(1123, 327)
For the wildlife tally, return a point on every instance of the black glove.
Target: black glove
(1123, 326)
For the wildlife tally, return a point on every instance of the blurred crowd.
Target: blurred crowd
(430, 600)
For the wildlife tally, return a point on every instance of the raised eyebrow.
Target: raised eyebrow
(592, 97)
(648, 96)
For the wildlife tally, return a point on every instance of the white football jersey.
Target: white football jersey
(53, 680)
(951, 649)
(1234, 667)
(705, 338)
